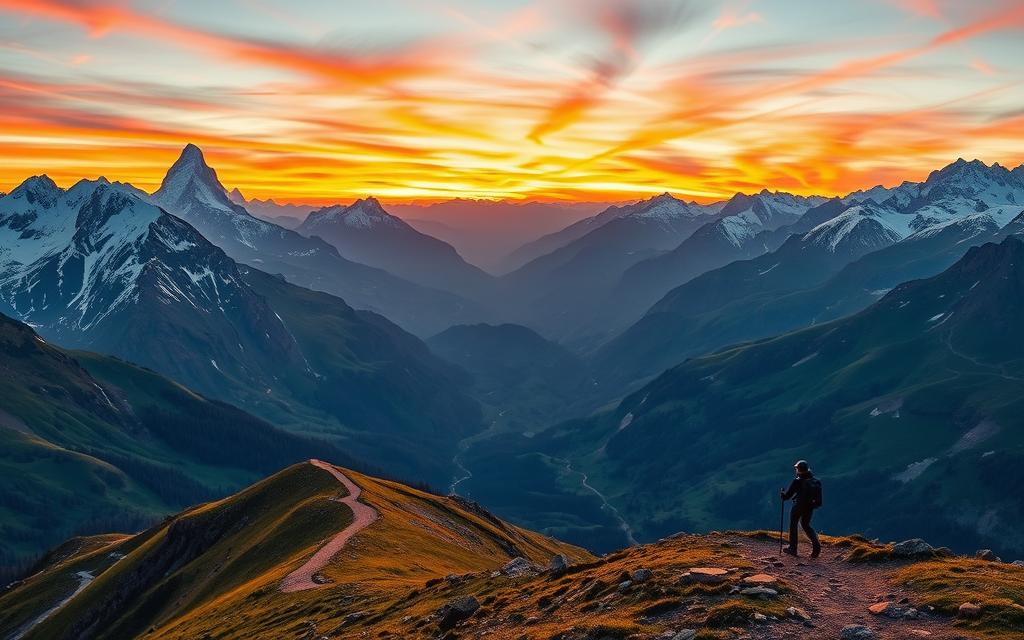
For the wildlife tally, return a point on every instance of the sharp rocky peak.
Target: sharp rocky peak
(191, 176)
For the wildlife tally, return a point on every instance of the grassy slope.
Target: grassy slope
(389, 581)
(225, 560)
(92, 444)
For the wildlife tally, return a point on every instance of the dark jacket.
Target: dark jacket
(800, 491)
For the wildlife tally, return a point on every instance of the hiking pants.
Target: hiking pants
(802, 516)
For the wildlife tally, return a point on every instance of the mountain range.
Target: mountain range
(99, 267)
(598, 275)
(557, 292)
(288, 216)
(289, 335)
(191, 191)
(366, 233)
(857, 250)
(485, 232)
(910, 406)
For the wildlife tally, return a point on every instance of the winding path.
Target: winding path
(362, 517)
(84, 578)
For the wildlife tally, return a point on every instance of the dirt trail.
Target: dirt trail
(362, 517)
(84, 578)
(837, 593)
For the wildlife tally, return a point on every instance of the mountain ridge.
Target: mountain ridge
(192, 191)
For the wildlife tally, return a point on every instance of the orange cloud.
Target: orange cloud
(633, 106)
(101, 19)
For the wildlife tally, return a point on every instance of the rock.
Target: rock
(624, 586)
(889, 610)
(1018, 563)
(685, 634)
(704, 575)
(640, 576)
(456, 611)
(799, 614)
(912, 548)
(986, 554)
(558, 564)
(856, 632)
(759, 592)
(759, 617)
(920, 633)
(518, 567)
(761, 579)
(968, 611)
(354, 617)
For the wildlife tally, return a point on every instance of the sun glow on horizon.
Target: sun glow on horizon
(579, 100)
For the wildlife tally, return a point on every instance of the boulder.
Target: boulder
(968, 611)
(890, 610)
(558, 564)
(456, 611)
(640, 575)
(798, 614)
(759, 592)
(914, 547)
(685, 634)
(986, 554)
(856, 632)
(518, 567)
(704, 575)
(1018, 563)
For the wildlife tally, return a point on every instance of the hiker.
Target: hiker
(805, 491)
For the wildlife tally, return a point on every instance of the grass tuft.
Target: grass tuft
(947, 583)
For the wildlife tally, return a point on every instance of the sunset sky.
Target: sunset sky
(576, 99)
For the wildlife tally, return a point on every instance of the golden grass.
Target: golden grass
(996, 587)
(391, 578)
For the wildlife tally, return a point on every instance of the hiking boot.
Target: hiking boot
(816, 552)
(789, 551)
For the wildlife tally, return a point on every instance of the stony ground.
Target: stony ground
(836, 594)
(688, 587)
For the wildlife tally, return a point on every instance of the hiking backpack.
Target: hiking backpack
(814, 488)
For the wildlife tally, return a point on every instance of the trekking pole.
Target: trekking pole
(782, 519)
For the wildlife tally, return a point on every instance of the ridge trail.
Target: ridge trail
(362, 516)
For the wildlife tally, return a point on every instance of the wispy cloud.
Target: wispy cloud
(553, 98)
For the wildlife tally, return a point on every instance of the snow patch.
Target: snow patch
(914, 470)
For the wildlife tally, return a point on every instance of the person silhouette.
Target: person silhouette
(805, 491)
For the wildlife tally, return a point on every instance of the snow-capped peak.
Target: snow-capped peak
(365, 213)
(864, 225)
(190, 178)
(663, 209)
(38, 189)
